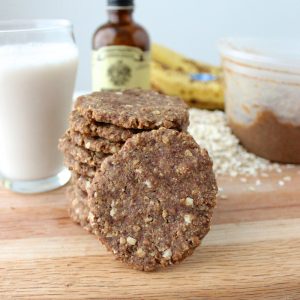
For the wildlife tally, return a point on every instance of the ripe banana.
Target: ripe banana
(173, 74)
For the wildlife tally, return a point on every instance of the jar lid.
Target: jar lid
(275, 54)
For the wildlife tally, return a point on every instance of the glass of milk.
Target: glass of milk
(38, 65)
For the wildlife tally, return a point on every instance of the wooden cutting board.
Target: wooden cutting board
(251, 252)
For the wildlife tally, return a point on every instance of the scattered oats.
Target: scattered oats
(95, 195)
(87, 145)
(265, 175)
(233, 173)
(138, 171)
(210, 130)
(148, 184)
(287, 178)
(257, 182)
(189, 201)
(131, 241)
(188, 219)
(115, 251)
(223, 196)
(112, 212)
(278, 170)
(251, 188)
(243, 179)
(221, 189)
(281, 183)
(119, 93)
(167, 254)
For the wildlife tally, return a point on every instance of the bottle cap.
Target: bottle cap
(121, 4)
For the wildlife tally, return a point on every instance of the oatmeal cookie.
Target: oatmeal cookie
(78, 167)
(94, 143)
(79, 153)
(152, 202)
(95, 129)
(134, 108)
(78, 208)
(81, 181)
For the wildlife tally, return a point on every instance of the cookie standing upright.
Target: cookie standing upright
(152, 202)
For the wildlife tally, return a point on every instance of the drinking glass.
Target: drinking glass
(38, 65)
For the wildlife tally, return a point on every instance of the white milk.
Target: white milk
(36, 88)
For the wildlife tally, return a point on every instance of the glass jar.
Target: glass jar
(262, 95)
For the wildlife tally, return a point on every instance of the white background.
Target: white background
(192, 27)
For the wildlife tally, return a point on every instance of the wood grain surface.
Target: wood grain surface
(251, 252)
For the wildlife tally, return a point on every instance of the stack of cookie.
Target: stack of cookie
(140, 182)
(99, 126)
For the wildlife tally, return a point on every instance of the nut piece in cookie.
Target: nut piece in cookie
(134, 108)
(152, 202)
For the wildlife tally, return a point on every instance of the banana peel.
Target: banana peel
(171, 73)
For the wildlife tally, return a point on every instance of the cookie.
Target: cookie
(134, 108)
(80, 154)
(82, 182)
(78, 208)
(78, 167)
(152, 202)
(95, 129)
(94, 143)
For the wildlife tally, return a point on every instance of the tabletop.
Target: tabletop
(251, 252)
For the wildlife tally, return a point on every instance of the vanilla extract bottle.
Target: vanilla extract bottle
(121, 50)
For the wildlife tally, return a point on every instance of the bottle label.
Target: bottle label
(120, 67)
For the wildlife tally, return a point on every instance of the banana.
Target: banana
(171, 73)
(176, 61)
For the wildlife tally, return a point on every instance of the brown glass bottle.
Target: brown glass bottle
(121, 50)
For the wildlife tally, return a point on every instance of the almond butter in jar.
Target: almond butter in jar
(262, 95)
